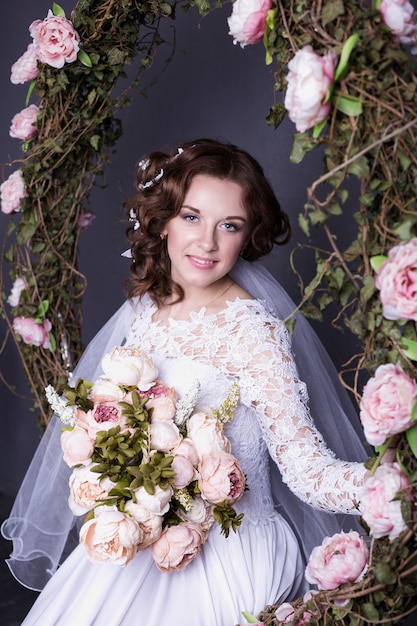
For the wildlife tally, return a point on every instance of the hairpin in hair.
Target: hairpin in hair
(144, 164)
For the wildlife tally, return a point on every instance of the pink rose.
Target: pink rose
(149, 523)
(110, 535)
(309, 79)
(12, 191)
(397, 282)
(206, 432)
(31, 332)
(77, 447)
(24, 123)
(400, 17)
(55, 40)
(19, 285)
(157, 503)
(387, 402)
(379, 509)
(130, 367)
(247, 23)
(26, 67)
(86, 489)
(340, 559)
(177, 546)
(220, 478)
(184, 470)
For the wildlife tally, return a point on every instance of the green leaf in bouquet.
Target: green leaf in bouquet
(411, 436)
(225, 515)
(157, 472)
(78, 395)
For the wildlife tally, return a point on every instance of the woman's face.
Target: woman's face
(205, 238)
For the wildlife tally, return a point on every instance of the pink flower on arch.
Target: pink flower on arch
(387, 403)
(55, 40)
(12, 191)
(247, 23)
(31, 332)
(23, 124)
(338, 560)
(26, 67)
(309, 79)
(400, 17)
(397, 282)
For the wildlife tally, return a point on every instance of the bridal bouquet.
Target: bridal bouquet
(149, 470)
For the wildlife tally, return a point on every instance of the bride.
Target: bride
(206, 311)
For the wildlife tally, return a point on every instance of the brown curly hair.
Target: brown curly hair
(163, 180)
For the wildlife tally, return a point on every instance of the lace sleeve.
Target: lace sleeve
(271, 382)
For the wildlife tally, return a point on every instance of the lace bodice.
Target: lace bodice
(247, 344)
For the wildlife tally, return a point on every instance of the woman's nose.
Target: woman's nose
(208, 240)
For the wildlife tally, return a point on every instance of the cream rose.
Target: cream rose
(130, 367)
(185, 471)
(164, 435)
(397, 282)
(177, 546)
(309, 79)
(206, 432)
(77, 447)
(150, 523)
(85, 489)
(247, 23)
(158, 503)
(220, 478)
(387, 403)
(110, 535)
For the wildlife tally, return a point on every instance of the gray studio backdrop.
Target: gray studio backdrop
(211, 88)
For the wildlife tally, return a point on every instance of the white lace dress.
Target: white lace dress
(261, 562)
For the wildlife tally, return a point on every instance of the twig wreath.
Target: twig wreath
(349, 84)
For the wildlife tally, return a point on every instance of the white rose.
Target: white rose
(206, 432)
(164, 435)
(158, 503)
(130, 367)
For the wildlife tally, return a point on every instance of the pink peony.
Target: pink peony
(32, 332)
(338, 560)
(309, 79)
(201, 513)
(164, 434)
(26, 67)
(105, 414)
(379, 509)
(247, 23)
(110, 535)
(220, 478)
(184, 470)
(157, 503)
(387, 402)
(12, 191)
(400, 17)
(77, 447)
(177, 546)
(397, 282)
(55, 40)
(24, 123)
(19, 285)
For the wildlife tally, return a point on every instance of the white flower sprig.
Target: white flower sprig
(186, 405)
(60, 407)
(225, 412)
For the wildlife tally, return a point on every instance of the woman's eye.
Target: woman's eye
(230, 227)
(190, 218)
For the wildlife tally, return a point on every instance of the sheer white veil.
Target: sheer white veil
(41, 524)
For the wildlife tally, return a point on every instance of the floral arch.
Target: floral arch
(355, 62)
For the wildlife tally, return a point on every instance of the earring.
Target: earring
(162, 236)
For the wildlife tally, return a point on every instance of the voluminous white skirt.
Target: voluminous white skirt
(244, 572)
